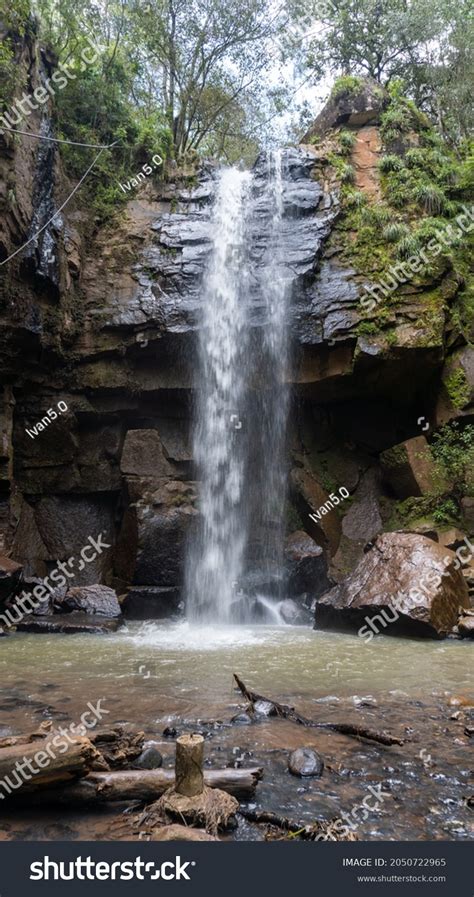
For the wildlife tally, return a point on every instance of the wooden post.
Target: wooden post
(188, 766)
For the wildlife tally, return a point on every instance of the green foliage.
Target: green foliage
(407, 246)
(457, 388)
(447, 512)
(15, 21)
(395, 231)
(346, 85)
(453, 451)
(390, 162)
(356, 198)
(430, 197)
(347, 140)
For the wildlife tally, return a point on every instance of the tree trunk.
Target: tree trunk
(188, 766)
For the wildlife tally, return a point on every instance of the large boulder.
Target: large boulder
(408, 467)
(306, 566)
(97, 600)
(151, 545)
(405, 583)
(353, 102)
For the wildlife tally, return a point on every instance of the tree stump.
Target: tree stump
(188, 765)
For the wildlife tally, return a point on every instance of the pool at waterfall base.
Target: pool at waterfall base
(154, 676)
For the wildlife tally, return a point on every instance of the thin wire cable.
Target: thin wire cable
(61, 207)
(58, 139)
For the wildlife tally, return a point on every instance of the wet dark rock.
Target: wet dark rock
(69, 624)
(170, 732)
(161, 517)
(305, 762)
(151, 602)
(10, 575)
(150, 758)
(306, 565)
(242, 719)
(466, 626)
(264, 708)
(143, 455)
(96, 600)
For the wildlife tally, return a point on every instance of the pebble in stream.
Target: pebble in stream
(305, 762)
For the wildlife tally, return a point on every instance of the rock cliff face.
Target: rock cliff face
(108, 328)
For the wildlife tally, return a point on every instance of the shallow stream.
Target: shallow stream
(150, 676)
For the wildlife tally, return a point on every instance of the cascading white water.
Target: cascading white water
(242, 405)
(276, 290)
(216, 556)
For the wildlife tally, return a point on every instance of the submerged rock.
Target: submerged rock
(150, 758)
(406, 582)
(305, 762)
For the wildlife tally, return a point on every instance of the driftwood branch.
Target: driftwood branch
(286, 712)
(330, 830)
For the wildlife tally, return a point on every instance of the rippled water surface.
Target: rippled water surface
(150, 676)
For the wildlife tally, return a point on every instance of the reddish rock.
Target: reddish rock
(365, 159)
(181, 833)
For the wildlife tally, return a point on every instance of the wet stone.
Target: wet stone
(305, 762)
(150, 758)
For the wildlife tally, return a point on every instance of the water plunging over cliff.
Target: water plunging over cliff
(216, 556)
(242, 405)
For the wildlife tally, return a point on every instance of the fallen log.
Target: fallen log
(147, 785)
(29, 767)
(286, 712)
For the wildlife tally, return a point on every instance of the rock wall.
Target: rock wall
(109, 330)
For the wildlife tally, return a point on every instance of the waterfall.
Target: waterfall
(216, 556)
(234, 563)
(276, 287)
